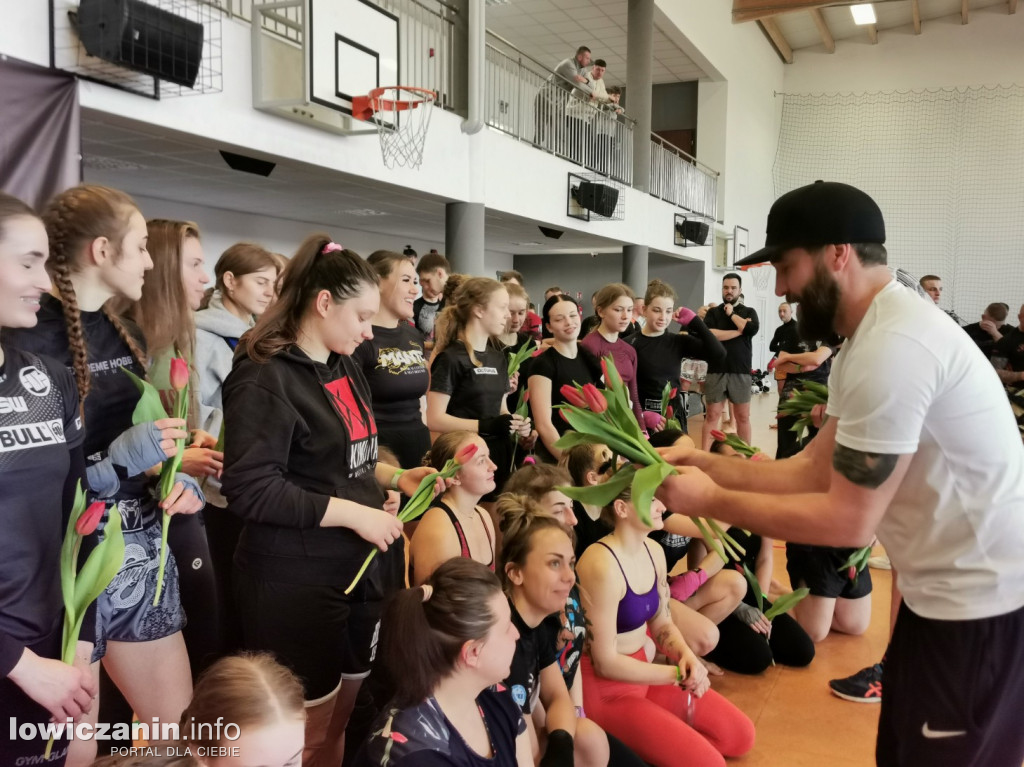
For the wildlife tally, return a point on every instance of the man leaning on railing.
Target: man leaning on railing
(549, 107)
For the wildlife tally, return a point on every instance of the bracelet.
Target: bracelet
(393, 484)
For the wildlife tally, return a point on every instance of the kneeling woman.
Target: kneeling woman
(448, 710)
(663, 712)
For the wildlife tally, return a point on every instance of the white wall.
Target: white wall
(738, 123)
(987, 51)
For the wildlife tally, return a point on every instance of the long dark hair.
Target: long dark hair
(74, 219)
(313, 268)
(421, 639)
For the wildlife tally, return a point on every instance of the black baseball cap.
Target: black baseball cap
(822, 213)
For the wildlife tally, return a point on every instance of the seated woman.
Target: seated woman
(448, 710)
(455, 525)
(665, 713)
(539, 579)
(697, 616)
(246, 709)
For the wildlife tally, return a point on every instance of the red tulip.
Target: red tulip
(466, 454)
(565, 416)
(90, 519)
(718, 436)
(539, 351)
(572, 396)
(179, 374)
(851, 572)
(668, 412)
(526, 396)
(595, 399)
(604, 372)
(672, 394)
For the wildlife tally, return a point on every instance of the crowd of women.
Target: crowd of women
(316, 409)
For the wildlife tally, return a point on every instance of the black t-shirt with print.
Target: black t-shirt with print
(476, 390)
(584, 368)
(535, 651)
(422, 736)
(571, 637)
(112, 396)
(396, 372)
(424, 315)
(39, 426)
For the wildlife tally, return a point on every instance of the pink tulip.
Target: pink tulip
(538, 352)
(466, 454)
(179, 374)
(90, 519)
(526, 396)
(718, 436)
(668, 412)
(851, 572)
(672, 394)
(572, 396)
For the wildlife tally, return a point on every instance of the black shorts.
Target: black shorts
(820, 568)
(317, 631)
(953, 693)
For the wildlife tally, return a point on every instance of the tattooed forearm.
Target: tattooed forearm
(668, 641)
(864, 469)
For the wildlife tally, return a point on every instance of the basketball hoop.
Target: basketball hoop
(401, 125)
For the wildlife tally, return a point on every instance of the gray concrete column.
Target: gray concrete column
(634, 267)
(464, 237)
(639, 55)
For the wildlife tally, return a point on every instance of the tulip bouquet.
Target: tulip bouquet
(150, 408)
(606, 418)
(855, 563)
(667, 395)
(738, 444)
(802, 403)
(420, 501)
(80, 588)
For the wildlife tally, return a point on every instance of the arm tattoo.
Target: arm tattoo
(865, 469)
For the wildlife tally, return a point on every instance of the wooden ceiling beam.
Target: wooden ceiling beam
(965, 6)
(826, 34)
(755, 10)
(873, 33)
(781, 45)
(1011, 6)
(917, 16)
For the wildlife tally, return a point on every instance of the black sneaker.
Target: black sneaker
(863, 687)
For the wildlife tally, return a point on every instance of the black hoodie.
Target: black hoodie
(297, 433)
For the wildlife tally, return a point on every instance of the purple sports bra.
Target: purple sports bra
(635, 609)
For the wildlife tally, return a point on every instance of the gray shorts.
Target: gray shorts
(732, 386)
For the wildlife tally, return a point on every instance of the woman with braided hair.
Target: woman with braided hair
(41, 463)
(97, 240)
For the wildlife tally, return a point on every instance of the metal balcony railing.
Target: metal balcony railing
(682, 180)
(538, 106)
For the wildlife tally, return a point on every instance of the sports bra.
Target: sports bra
(635, 609)
(463, 543)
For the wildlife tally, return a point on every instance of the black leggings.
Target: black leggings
(744, 651)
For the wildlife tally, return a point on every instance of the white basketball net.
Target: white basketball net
(403, 132)
(762, 278)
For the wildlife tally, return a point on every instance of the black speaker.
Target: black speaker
(599, 198)
(142, 37)
(695, 231)
(547, 231)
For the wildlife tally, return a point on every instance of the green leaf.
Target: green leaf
(709, 539)
(786, 602)
(149, 406)
(755, 585)
(68, 565)
(645, 483)
(592, 424)
(603, 494)
(817, 388)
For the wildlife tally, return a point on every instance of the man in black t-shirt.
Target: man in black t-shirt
(735, 326)
(1011, 348)
(987, 333)
(786, 339)
(433, 270)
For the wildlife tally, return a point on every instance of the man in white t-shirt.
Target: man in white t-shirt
(920, 446)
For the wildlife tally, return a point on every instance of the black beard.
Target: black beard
(730, 300)
(819, 302)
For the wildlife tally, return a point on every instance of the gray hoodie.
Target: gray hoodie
(217, 331)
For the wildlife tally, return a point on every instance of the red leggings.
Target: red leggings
(651, 720)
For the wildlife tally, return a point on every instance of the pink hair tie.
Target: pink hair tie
(331, 247)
